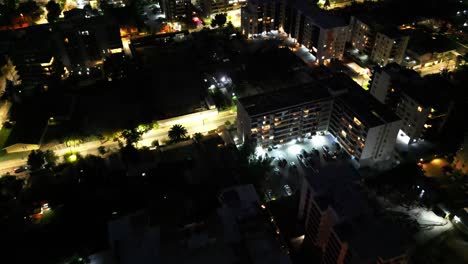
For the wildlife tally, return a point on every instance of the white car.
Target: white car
(287, 189)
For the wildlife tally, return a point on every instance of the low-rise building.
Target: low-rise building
(340, 221)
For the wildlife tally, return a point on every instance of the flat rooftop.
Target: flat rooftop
(366, 108)
(285, 98)
(369, 235)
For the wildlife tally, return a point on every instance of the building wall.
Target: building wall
(380, 86)
(380, 143)
(368, 145)
(387, 49)
(361, 35)
(286, 124)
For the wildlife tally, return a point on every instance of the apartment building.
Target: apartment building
(281, 116)
(390, 46)
(424, 115)
(324, 35)
(175, 9)
(260, 16)
(422, 104)
(365, 128)
(212, 7)
(339, 220)
(387, 82)
(381, 44)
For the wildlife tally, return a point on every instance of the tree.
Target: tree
(10, 186)
(50, 158)
(219, 20)
(53, 11)
(36, 159)
(102, 150)
(177, 133)
(197, 137)
(30, 9)
(132, 136)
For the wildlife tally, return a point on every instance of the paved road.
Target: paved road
(197, 126)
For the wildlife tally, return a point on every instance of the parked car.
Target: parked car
(304, 153)
(326, 156)
(21, 169)
(325, 148)
(269, 194)
(287, 189)
(315, 152)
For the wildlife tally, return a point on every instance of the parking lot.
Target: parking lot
(291, 165)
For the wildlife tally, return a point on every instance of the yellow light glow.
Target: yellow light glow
(47, 64)
(72, 158)
(115, 51)
(356, 121)
(420, 109)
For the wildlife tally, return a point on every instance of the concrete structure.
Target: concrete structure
(260, 16)
(285, 115)
(365, 128)
(175, 9)
(387, 82)
(421, 103)
(390, 46)
(324, 35)
(340, 221)
(212, 7)
(35, 64)
(382, 45)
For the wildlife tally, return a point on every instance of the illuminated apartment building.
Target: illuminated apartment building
(365, 128)
(324, 35)
(212, 7)
(382, 45)
(285, 115)
(260, 16)
(420, 103)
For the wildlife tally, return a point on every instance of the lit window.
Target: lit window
(427, 126)
(432, 110)
(350, 126)
(266, 128)
(343, 133)
(420, 109)
(357, 122)
(254, 130)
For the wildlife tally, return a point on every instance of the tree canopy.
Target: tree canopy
(177, 133)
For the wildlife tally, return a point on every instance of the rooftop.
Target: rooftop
(367, 109)
(369, 235)
(274, 101)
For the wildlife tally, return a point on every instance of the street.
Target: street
(192, 125)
